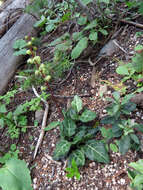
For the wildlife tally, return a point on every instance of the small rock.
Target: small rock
(122, 181)
(39, 115)
(102, 90)
(108, 49)
(34, 186)
(35, 180)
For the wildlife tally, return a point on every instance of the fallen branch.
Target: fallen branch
(43, 122)
(132, 23)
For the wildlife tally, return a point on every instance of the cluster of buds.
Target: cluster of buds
(34, 59)
(30, 45)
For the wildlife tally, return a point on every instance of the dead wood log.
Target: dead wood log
(10, 13)
(9, 62)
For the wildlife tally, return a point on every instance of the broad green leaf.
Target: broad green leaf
(137, 165)
(41, 22)
(137, 62)
(128, 108)
(52, 125)
(77, 36)
(135, 138)
(141, 8)
(106, 133)
(116, 96)
(77, 103)
(90, 134)
(19, 110)
(72, 113)
(78, 49)
(104, 32)
(93, 24)
(62, 149)
(82, 20)
(117, 131)
(138, 180)
(113, 109)
(113, 147)
(64, 46)
(66, 16)
(124, 144)
(50, 27)
(131, 173)
(126, 99)
(96, 151)
(93, 36)
(15, 176)
(138, 47)
(1, 123)
(139, 89)
(108, 120)
(78, 137)
(122, 70)
(86, 2)
(87, 116)
(59, 40)
(20, 52)
(78, 156)
(19, 44)
(104, 1)
(3, 108)
(69, 127)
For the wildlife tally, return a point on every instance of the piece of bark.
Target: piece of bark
(10, 14)
(9, 62)
(138, 100)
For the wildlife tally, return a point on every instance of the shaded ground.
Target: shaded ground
(48, 175)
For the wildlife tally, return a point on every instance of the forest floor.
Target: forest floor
(50, 175)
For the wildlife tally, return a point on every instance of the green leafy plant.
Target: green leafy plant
(77, 139)
(116, 111)
(12, 153)
(15, 175)
(16, 120)
(136, 175)
(20, 47)
(73, 171)
(134, 69)
(121, 127)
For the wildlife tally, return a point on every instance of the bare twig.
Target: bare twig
(37, 95)
(115, 42)
(50, 158)
(42, 131)
(72, 96)
(93, 64)
(43, 122)
(132, 23)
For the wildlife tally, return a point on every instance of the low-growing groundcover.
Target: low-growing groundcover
(77, 139)
(78, 136)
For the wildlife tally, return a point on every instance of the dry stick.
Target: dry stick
(120, 47)
(43, 122)
(132, 23)
(50, 158)
(72, 96)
